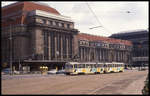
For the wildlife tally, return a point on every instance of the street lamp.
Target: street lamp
(10, 38)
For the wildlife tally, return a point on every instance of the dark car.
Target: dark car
(6, 71)
(60, 72)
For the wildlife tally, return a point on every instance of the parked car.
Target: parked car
(8, 71)
(16, 72)
(53, 71)
(60, 72)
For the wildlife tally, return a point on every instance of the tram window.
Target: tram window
(95, 66)
(81, 65)
(91, 65)
(78, 66)
(66, 66)
(112, 65)
(69, 66)
(87, 65)
(75, 65)
(102, 65)
(98, 65)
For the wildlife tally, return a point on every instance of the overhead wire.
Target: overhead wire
(96, 18)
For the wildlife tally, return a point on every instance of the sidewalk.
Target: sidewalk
(136, 87)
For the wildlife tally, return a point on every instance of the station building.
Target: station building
(35, 34)
(140, 40)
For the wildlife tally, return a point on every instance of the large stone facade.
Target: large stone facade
(41, 36)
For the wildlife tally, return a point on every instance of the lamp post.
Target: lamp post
(10, 38)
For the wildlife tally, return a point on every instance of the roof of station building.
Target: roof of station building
(89, 37)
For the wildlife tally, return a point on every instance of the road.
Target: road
(128, 82)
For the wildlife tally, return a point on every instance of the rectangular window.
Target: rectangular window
(50, 22)
(57, 24)
(62, 24)
(81, 66)
(68, 25)
(75, 65)
(44, 21)
(87, 65)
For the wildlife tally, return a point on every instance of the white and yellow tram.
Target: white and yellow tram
(93, 67)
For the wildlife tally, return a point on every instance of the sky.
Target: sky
(111, 17)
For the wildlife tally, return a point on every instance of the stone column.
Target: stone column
(38, 41)
(67, 46)
(89, 54)
(85, 53)
(75, 45)
(55, 41)
(58, 46)
(81, 54)
(49, 47)
(61, 47)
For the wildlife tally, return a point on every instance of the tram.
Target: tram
(93, 67)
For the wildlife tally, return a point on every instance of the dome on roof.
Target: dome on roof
(40, 3)
(30, 6)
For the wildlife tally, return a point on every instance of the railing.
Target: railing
(140, 59)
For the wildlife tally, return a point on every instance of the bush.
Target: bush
(145, 90)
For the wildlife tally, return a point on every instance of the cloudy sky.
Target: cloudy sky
(113, 17)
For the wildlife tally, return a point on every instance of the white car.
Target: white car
(53, 71)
